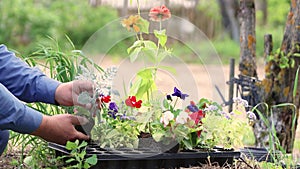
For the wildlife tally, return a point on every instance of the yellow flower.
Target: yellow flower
(132, 22)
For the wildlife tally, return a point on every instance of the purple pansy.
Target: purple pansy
(113, 106)
(192, 107)
(169, 97)
(113, 109)
(179, 94)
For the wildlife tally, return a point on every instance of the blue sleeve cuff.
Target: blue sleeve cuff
(46, 88)
(15, 115)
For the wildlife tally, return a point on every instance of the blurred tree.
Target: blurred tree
(261, 6)
(280, 85)
(229, 12)
(95, 3)
(247, 38)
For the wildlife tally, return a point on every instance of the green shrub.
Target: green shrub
(24, 24)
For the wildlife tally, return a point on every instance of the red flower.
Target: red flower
(197, 116)
(159, 13)
(105, 99)
(131, 101)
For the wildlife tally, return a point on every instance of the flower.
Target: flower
(105, 99)
(241, 101)
(251, 115)
(197, 116)
(179, 94)
(182, 118)
(132, 23)
(131, 101)
(159, 13)
(166, 117)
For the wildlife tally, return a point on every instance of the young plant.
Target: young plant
(77, 158)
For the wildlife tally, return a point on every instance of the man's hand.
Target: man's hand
(60, 128)
(66, 94)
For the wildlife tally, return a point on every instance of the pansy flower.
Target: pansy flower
(131, 101)
(105, 99)
(169, 97)
(197, 116)
(192, 107)
(166, 118)
(179, 94)
(132, 23)
(159, 13)
(182, 118)
(113, 110)
(113, 107)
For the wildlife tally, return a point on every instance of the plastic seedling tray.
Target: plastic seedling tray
(143, 158)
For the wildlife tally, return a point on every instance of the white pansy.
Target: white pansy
(166, 117)
(182, 118)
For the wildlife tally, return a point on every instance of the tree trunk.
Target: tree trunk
(229, 10)
(277, 88)
(247, 65)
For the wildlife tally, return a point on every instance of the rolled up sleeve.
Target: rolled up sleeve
(15, 115)
(26, 83)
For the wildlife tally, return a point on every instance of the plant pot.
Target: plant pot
(143, 158)
(86, 128)
(147, 141)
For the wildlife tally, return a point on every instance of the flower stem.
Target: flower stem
(138, 6)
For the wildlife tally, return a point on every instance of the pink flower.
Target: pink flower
(159, 13)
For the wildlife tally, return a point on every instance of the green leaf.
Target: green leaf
(28, 160)
(71, 145)
(143, 24)
(113, 133)
(283, 62)
(136, 44)
(84, 98)
(149, 44)
(134, 55)
(162, 55)
(146, 73)
(296, 54)
(161, 36)
(86, 165)
(296, 82)
(92, 160)
(169, 69)
(157, 136)
(70, 160)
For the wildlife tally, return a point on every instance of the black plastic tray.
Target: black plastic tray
(127, 158)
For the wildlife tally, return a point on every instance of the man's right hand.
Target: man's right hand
(60, 128)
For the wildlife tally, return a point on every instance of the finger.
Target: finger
(78, 120)
(83, 85)
(82, 136)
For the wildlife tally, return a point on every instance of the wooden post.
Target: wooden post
(231, 84)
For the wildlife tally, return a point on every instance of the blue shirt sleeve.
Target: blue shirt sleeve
(26, 83)
(15, 115)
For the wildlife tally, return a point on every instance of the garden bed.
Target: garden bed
(147, 158)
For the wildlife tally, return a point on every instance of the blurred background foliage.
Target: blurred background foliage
(24, 25)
